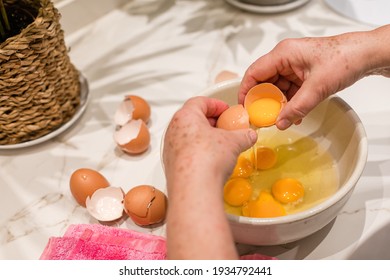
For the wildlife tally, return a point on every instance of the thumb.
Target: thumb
(244, 139)
(304, 100)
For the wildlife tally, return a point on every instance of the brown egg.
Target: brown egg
(133, 137)
(141, 108)
(235, 117)
(84, 182)
(225, 75)
(132, 108)
(145, 205)
(263, 103)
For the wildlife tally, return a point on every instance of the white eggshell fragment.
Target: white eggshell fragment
(124, 113)
(106, 204)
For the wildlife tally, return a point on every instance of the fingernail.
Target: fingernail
(253, 136)
(283, 124)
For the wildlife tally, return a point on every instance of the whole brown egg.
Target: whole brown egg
(84, 182)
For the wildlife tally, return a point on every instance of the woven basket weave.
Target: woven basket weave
(39, 86)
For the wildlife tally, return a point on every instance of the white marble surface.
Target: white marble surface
(168, 51)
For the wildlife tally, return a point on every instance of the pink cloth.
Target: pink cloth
(99, 242)
(257, 257)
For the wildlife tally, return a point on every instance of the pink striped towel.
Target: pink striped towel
(99, 242)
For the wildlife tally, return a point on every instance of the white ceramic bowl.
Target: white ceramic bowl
(334, 122)
(267, 2)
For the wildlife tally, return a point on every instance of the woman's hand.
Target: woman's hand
(198, 159)
(308, 70)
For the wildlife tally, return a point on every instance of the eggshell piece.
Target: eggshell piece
(225, 75)
(133, 137)
(106, 204)
(270, 94)
(235, 117)
(141, 108)
(264, 90)
(145, 205)
(84, 182)
(124, 113)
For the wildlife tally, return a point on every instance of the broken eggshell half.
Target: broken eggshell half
(132, 108)
(106, 204)
(133, 137)
(235, 117)
(272, 101)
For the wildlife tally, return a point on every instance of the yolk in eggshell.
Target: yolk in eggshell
(263, 112)
(288, 190)
(237, 191)
(265, 206)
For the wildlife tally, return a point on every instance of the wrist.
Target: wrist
(377, 52)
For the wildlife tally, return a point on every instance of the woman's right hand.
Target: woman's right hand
(308, 70)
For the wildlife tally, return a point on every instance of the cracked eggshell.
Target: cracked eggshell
(264, 90)
(84, 182)
(132, 108)
(235, 117)
(106, 204)
(145, 205)
(133, 137)
(263, 103)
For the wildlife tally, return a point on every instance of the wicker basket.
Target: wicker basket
(39, 86)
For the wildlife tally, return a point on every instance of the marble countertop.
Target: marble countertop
(168, 51)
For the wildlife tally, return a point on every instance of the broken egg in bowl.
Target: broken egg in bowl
(315, 165)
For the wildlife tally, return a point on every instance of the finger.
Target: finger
(263, 69)
(209, 107)
(300, 104)
(243, 139)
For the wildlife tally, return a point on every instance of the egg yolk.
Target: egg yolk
(265, 206)
(265, 158)
(263, 112)
(243, 168)
(288, 190)
(237, 191)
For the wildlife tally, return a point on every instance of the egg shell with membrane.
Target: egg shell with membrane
(145, 205)
(265, 91)
(235, 117)
(84, 182)
(141, 108)
(106, 204)
(133, 137)
(132, 107)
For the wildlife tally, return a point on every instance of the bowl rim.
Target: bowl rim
(327, 203)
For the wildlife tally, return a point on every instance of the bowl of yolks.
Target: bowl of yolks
(291, 183)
